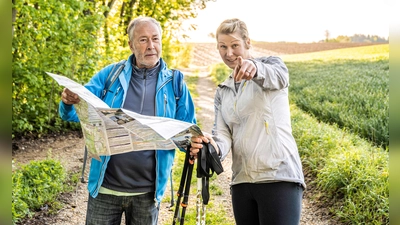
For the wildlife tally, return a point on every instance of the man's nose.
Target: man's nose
(150, 45)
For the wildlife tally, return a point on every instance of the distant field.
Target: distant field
(206, 54)
(296, 48)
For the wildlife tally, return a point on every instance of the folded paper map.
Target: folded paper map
(109, 131)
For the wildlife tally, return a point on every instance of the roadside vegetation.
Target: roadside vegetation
(340, 122)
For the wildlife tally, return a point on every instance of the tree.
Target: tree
(327, 35)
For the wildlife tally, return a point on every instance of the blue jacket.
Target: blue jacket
(166, 106)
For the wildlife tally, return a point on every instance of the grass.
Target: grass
(348, 169)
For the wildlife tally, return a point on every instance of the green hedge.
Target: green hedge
(53, 36)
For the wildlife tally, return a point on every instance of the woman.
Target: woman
(252, 118)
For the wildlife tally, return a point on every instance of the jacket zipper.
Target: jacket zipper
(165, 104)
(144, 92)
(155, 108)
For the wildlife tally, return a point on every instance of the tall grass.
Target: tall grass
(347, 169)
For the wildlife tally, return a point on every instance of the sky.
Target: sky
(300, 21)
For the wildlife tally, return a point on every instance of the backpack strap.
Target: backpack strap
(112, 77)
(177, 79)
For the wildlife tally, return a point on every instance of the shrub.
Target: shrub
(35, 185)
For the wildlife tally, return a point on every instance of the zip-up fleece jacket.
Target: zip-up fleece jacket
(254, 122)
(166, 106)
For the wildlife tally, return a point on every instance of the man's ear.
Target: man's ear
(130, 45)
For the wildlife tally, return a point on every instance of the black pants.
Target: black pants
(267, 203)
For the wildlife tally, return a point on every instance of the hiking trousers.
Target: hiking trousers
(107, 209)
(277, 203)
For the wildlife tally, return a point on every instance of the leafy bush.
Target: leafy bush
(53, 36)
(34, 185)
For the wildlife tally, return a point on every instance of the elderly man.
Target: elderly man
(133, 183)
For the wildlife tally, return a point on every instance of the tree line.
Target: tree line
(356, 38)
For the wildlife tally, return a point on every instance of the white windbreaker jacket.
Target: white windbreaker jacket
(254, 122)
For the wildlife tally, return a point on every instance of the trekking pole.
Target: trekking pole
(198, 200)
(200, 206)
(186, 177)
(187, 190)
(172, 192)
(181, 186)
(203, 206)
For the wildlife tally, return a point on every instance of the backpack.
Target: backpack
(177, 79)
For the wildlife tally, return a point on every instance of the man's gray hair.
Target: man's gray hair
(136, 21)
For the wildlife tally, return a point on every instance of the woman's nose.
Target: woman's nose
(229, 52)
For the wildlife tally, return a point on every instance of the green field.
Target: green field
(348, 87)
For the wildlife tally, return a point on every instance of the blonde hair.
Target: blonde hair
(136, 21)
(230, 26)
